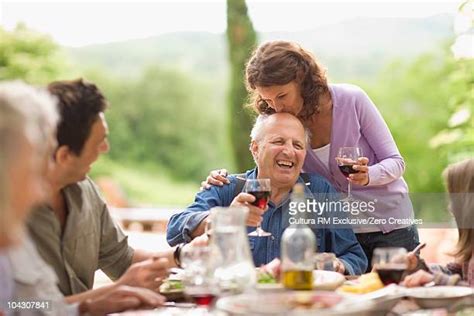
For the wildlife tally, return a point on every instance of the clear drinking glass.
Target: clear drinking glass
(346, 159)
(390, 263)
(198, 274)
(261, 189)
(324, 261)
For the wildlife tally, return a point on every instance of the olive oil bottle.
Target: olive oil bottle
(298, 245)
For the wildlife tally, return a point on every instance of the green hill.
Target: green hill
(354, 49)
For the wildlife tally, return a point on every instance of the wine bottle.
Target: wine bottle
(298, 245)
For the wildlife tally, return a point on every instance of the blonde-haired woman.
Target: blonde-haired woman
(459, 179)
(27, 121)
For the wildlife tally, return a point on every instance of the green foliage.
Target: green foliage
(416, 99)
(158, 118)
(413, 98)
(169, 123)
(456, 138)
(30, 56)
(241, 40)
(145, 184)
(163, 117)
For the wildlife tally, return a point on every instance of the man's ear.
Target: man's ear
(254, 149)
(62, 155)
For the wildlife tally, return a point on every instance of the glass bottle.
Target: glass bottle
(298, 245)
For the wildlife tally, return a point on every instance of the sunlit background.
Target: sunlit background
(79, 23)
(164, 67)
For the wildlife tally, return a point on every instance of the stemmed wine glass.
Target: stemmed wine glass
(261, 189)
(390, 263)
(346, 158)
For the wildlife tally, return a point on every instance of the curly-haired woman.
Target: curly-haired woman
(282, 76)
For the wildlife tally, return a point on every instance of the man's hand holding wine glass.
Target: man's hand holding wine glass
(254, 217)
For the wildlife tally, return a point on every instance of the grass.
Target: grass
(146, 185)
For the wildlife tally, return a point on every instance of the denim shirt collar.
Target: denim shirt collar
(253, 173)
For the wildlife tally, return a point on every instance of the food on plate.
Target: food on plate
(270, 272)
(367, 283)
(273, 267)
(171, 286)
(265, 277)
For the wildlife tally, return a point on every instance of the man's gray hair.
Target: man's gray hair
(26, 114)
(257, 130)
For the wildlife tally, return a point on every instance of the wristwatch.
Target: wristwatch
(177, 254)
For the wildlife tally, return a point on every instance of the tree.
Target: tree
(241, 39)
(162, 119)
(413, 98)
(417, 98)
(30, 56)
(457, 136)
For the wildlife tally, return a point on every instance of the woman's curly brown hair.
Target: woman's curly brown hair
(280, 62)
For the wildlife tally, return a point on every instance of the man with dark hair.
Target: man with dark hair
(80, 103)
(75, 233)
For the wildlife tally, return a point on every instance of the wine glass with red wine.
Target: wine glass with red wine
(390, 263)
(346, 159)
(261, 189)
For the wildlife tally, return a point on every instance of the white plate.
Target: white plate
(282, 303)
(439, 292)
(438, 296)
(377, 302)
(327, 280)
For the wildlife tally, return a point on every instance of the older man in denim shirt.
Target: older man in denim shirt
(279, 147)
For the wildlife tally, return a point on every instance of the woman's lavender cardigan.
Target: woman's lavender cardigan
(357, 122)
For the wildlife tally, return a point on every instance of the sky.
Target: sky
(78, 23)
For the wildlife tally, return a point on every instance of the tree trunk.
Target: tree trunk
(241, 39)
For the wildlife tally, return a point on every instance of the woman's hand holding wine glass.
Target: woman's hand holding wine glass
(353, 166)
(362, 175)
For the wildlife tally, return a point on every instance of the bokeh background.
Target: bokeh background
(172, 72)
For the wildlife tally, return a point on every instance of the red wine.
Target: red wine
(203, 299)
(347, 170)
(389, 275)
(261, 198)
